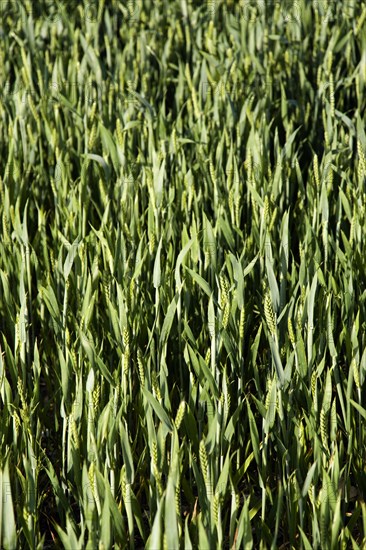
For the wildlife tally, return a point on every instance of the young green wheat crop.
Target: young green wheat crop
(182, 275)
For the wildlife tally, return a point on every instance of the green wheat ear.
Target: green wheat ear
(180, 414)
(269, 314)
(291, 331)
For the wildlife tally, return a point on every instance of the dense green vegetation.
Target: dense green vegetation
(182, 275)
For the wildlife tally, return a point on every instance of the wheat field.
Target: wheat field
(182, 275)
